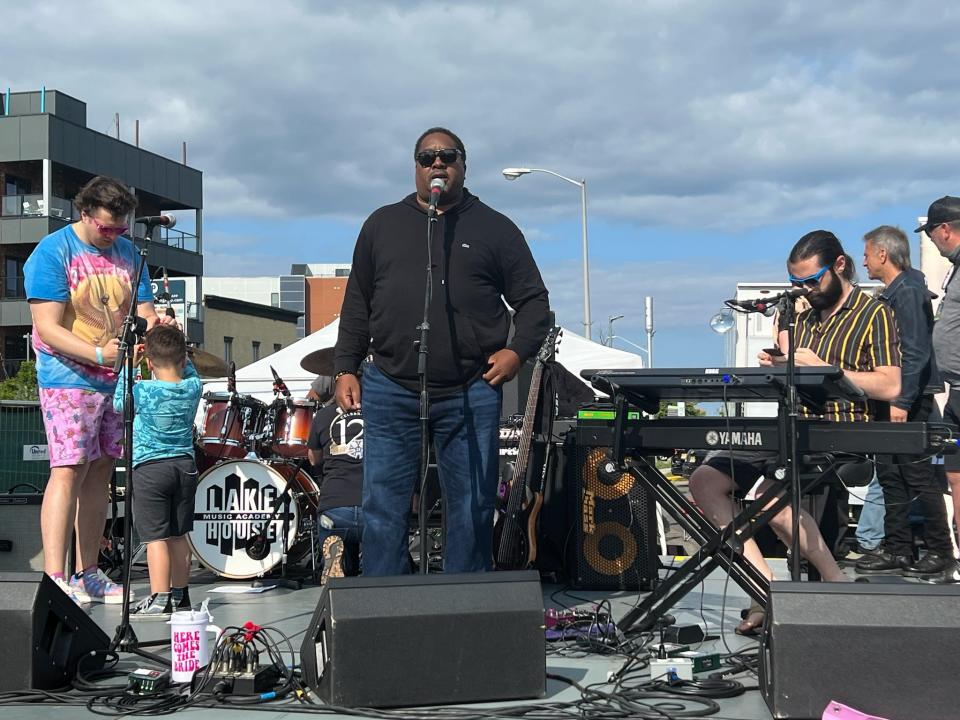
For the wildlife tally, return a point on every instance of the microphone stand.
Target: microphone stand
(125, 638)
(787, 311)
(422, 353)
(257, 548)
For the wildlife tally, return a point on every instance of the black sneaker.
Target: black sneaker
(860, 552)
(929, 565)
(883, 562)
(154, 607)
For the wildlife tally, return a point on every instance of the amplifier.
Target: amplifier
(21, 547)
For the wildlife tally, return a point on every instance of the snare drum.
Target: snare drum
(228, 426)
(291, 427)
(233, 501)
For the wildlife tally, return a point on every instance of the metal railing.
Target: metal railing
(23, 446)
(34, 206)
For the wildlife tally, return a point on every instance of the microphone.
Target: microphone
(278, 384)
(767, 306)
(167, 221)
(437, 186)
(257, 546)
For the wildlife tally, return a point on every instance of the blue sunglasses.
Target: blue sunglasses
(810, 280)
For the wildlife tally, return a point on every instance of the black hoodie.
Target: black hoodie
(478, 255)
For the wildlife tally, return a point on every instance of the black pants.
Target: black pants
(904, 477)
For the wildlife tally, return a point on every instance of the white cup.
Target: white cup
(189, 643)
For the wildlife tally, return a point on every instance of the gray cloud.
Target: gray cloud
(733, 115)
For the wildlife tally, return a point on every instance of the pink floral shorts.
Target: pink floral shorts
(81, 426)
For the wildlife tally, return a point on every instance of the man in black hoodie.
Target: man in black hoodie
(479, 259)
(886, 256)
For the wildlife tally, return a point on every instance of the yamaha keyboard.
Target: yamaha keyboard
(647, 387)
(644, 436)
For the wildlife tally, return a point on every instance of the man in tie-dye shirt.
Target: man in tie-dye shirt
(79, 282)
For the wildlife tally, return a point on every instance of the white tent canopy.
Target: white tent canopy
(574, 352)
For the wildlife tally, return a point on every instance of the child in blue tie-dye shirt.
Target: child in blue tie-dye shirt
(164, 472)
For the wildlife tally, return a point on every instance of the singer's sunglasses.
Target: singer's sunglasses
(809, 280)
(448, 156)
(108, 229)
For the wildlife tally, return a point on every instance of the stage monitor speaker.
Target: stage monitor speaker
(887, 649)
(614, 542)
(46, 634)
(21, 548)
(427, 640)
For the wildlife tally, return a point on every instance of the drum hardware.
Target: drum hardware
(258, 545)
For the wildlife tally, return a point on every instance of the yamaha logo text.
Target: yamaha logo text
(740, 438)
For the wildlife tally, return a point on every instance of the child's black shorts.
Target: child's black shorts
(163, 496)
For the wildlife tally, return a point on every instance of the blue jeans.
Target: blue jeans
(464, 427)
(347, 522)
(870, 526)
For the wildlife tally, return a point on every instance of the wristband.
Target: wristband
(341, 374)
(99, 352)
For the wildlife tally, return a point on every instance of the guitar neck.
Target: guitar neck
(526, 434)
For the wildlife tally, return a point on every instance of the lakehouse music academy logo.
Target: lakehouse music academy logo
(231, 512)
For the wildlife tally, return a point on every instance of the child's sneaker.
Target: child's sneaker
(98, 588)
(332, 558)
(154, 607)
(80, 598)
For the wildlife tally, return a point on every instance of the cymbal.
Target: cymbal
(207, 364)
(319, 362)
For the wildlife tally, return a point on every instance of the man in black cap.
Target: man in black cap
(943, 229)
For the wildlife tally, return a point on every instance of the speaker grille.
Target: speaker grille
(614, 540)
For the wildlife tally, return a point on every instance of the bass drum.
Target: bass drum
(233, 501)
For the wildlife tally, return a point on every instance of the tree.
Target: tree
(23, 385)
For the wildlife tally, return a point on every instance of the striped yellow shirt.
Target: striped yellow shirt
(860, 336)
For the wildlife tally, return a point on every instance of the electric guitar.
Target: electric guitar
(515, 531)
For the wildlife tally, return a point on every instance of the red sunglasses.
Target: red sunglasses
(108, 229)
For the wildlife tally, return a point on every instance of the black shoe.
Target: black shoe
(929, 565)
(859, 552)
(883, 562)
(949, 576)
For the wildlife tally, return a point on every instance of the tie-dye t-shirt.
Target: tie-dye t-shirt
(95, 287)
(163, 424)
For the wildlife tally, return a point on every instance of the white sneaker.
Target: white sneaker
(80, 598)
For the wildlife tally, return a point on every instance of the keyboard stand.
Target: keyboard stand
(716, 548)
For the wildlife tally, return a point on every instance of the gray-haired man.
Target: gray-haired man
(886, 256)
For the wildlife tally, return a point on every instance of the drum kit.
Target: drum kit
(256, 504)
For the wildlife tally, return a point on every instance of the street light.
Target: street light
(513, 173)
(610, 320)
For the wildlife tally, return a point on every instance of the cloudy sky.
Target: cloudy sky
(712, 135)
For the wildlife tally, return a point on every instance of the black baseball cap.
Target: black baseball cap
(944, 210)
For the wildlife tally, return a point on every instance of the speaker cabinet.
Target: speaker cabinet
(21, 548)
(427, 640)
(45, 634)
(887, 649)
(615, 532)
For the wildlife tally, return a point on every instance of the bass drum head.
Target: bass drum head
(233, 501)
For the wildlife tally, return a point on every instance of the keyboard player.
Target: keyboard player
(843, 327)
